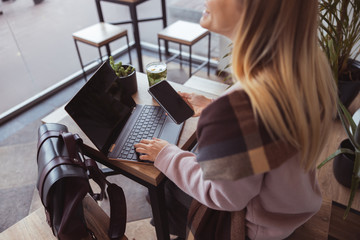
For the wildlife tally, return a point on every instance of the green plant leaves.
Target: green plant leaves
(339, 32)
(336, 153)
(119, 69)
(347, 121)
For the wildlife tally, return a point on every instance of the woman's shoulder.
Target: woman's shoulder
(230, 137)
(233, 106)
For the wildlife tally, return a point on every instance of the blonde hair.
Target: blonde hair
(279, 64)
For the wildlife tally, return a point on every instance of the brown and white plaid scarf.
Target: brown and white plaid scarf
(232, 145)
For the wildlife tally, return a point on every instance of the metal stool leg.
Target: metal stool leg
(108, 50)
(163, 8)
(180, 56)
(81, 63)
(159, 46)
(190, 61)
(101, 19)
(129, 49)
(100, 54)
(208, 65)
(136, 35)
(99, 10)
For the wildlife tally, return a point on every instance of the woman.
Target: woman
(258, 145)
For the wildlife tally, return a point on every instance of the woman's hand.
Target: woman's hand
(196, 102)
(150, 148)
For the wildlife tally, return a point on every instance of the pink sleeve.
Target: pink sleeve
(182, 168)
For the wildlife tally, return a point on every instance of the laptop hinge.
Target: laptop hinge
(112, 147)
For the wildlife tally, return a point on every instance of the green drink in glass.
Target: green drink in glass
(156, 72)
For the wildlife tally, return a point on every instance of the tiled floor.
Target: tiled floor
(30, 69)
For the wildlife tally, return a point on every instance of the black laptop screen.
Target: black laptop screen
(101, 108)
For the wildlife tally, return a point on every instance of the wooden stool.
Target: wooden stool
(98, 35)
(185, 33)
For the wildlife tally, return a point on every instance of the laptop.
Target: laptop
(112, 120)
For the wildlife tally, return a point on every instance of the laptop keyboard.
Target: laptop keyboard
(146, 127)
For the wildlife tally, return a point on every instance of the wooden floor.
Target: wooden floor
(348, 229)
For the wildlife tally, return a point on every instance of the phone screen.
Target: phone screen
(171, 101)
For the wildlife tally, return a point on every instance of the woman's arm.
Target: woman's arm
(182, 168)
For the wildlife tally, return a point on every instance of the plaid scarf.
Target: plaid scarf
(233, 144)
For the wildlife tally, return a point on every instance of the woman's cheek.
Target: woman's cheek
(205, 19)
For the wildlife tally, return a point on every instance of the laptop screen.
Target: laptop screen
(101, 108)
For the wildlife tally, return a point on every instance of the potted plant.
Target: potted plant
(347, 158)
(339, 34)
(126, 76)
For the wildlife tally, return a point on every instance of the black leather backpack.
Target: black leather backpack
(64, 170)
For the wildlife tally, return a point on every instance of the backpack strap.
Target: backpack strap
(117, 211)
(115, 193)
(97, 175)
(72, 143)
(45, 136)
(57, 161)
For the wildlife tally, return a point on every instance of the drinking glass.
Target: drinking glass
(156, 72)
